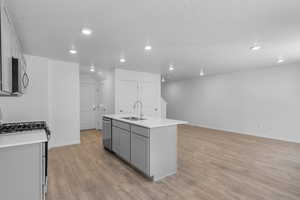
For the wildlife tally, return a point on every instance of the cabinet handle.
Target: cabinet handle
(156, 109)
(121, 110)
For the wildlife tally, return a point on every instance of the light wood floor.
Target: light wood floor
(213, 165)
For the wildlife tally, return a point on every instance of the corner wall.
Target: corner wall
(106, 85)
(64, 102)
(262, 102)
(108, 89)
(33, 105)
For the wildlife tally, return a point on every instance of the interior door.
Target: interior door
(87, 106)
(150, 96)
(128, 94)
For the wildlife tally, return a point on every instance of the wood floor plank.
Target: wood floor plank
(212, 165)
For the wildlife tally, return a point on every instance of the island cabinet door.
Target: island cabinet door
(140, 152)
(116, 140)
(125, 145)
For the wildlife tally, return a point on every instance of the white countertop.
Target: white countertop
(22, 138)
(149, 122)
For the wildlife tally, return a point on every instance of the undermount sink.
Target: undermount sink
(133, 118)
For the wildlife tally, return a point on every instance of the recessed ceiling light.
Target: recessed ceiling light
(280, 60)
(122, 60)
(73, 51)
(86, 31)
(171, 67)
(255, 47)
(201, 72)
(92, 69)
(148, 48)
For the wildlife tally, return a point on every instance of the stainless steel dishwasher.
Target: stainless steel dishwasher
(107, 135)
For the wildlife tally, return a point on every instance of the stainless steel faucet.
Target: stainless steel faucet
(141, 107)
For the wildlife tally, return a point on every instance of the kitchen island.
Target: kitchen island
(149, 145)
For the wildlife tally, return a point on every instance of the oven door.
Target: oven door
(45, 169)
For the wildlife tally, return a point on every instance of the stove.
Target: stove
(20, 127)
(24, 126)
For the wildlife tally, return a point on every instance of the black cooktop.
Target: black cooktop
(23, 126)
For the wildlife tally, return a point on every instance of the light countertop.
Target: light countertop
(149, 122)
(22, 138)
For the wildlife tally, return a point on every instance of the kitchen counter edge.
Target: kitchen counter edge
(150, 122)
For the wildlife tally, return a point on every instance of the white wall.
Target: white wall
(64, 100)
(86, 78)
(263, 102)
(104, 92)
(108, 91)
(52, 95)
(34, 104)
(106, 84)
(131, 86)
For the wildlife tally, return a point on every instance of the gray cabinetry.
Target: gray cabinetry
(152, 151)
(121, 139)
(140, 131)
(125, 144)
(140, 152)
(116, 140)
(21, 172)
(121, 125)
(131, 143)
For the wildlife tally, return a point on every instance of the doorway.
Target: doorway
(88, 106)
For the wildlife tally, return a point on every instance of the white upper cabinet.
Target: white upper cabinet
(131, 86)
(6, 43)
(10, 48)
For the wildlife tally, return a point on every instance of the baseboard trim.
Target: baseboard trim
(88, 129)
(242, 133)
(155, 178)
(51, 145)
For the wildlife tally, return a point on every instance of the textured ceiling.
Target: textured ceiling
(191, 34)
